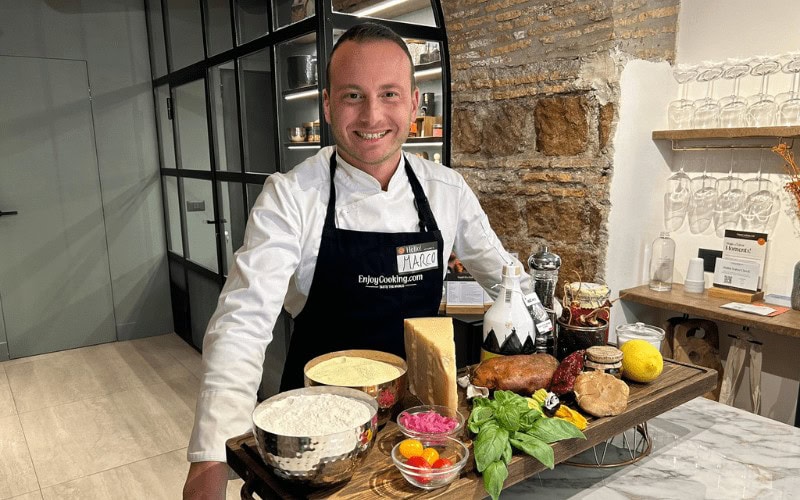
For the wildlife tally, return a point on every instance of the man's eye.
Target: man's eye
(392, 94)
(352, 96)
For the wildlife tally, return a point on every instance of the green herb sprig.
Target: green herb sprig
(507, 422)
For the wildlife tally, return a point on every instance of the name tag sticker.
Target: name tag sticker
(416, 258)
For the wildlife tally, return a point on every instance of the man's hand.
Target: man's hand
(206, 481)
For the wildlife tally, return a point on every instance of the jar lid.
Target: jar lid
(544, 260)
(604, 354)
(308, 124)
(581, 289)
(640, 330)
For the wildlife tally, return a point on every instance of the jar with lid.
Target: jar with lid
(604, 358)
(633, 331)
(507, 325)
(312, 131)
(582, 299)
(544, 266)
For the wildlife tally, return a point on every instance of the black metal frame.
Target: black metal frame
(322, 24)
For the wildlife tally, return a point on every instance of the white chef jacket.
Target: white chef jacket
(275, 267)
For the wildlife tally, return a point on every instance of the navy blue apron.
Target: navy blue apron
(365, 284)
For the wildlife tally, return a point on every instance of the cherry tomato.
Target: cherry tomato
(430, 455)
(442, 462)
(420, 463)
(410, 448)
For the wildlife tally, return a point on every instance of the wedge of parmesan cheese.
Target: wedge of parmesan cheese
(431, 358)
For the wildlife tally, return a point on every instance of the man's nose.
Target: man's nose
(371, 109)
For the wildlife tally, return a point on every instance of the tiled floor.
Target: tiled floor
(107, 421)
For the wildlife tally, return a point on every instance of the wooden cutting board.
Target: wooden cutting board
(695, 341)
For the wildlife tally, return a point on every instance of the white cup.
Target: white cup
(695, 278)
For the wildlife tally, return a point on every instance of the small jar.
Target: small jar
(437, 130)
(639, 331)
(604, 358)
(312, 131)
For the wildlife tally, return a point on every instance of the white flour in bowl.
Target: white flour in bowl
(312, 415)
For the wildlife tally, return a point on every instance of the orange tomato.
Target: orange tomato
(410, 448)
(430, 455)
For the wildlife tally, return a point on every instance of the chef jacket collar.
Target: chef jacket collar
(355, 178)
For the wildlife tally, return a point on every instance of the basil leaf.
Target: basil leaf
(478, 417)
(508, 417)
(551, 430)
(534, 447)
(493, 478)
(507, 453)
(489, 445)
(530, 417)
(504, 396)
(478, 402)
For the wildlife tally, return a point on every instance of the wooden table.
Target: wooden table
(700, 304)
(378, 477)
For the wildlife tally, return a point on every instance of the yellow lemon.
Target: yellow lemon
(641, 362)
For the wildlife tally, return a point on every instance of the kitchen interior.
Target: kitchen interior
(131, 162)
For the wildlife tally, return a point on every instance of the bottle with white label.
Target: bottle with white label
(507, 325)
(662, 260)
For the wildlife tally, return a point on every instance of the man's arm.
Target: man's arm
(206, 481)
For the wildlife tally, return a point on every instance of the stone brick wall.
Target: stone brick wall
(535, 90)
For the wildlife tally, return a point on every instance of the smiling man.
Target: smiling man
(350, 242)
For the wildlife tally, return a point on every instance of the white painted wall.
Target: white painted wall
(111, 36)
(711, 30)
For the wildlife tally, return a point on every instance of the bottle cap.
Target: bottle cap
(544, 260)
(512, 270)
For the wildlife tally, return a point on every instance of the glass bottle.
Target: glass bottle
(662, 260)
(507, 325)
(544, 266)
(796, 288)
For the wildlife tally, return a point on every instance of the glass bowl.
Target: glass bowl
(443, 411)
(428, 478)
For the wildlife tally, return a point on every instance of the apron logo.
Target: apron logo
(386, 282)
(418, 257)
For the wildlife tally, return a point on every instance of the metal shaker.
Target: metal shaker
(544, 266)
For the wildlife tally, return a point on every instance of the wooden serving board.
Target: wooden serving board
(378, 477)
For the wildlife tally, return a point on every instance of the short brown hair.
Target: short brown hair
(370, 32)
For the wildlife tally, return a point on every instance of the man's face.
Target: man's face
(371, 103)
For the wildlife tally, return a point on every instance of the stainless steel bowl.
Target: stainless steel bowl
(387, 394)
(317, 460)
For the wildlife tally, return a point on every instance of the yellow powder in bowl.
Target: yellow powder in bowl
(352, 371)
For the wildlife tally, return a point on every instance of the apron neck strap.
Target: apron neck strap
(427, 222)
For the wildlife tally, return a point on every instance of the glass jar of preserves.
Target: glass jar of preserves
(604, 358)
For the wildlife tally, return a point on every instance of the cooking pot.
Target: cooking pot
(301, 71)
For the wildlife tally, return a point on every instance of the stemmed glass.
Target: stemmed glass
(676, 199)
(762, 205)
(789, 109)
(733, 108)
(703, 201)
(680, 111)
(761, 108)
(730, 201)
(706, 110)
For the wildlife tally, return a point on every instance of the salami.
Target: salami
(566, 373)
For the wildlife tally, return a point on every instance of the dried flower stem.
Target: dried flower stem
(793, 186)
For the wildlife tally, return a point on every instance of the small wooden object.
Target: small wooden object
(735, 295)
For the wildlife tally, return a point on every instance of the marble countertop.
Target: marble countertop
(701, 450)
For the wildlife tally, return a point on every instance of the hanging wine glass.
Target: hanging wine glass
(789, 109)
(762, 204)
(761, 107)
(730, 201)
(706, 110)
(733, 108)
(676, 199)
(703, 201)
(679, 113)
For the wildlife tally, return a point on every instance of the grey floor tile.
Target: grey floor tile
(17, 475)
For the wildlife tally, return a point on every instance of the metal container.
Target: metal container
(386, 395)
(544, 266)
(640, 331)
(317, 460)
(301, 71)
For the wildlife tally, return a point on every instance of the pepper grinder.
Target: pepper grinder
(544, 266)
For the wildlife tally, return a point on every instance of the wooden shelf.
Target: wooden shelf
(787, 324)
(727, 133)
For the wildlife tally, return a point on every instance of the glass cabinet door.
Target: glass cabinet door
(418, 12)
(426, 135)
(298, 100)
(225, 117)
(258, 112)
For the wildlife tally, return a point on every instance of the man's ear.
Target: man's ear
(415, 99)
(326, 105)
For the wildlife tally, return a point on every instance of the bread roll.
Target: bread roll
(520, 373)
(601, 394)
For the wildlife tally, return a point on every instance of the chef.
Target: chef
(350, 242)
